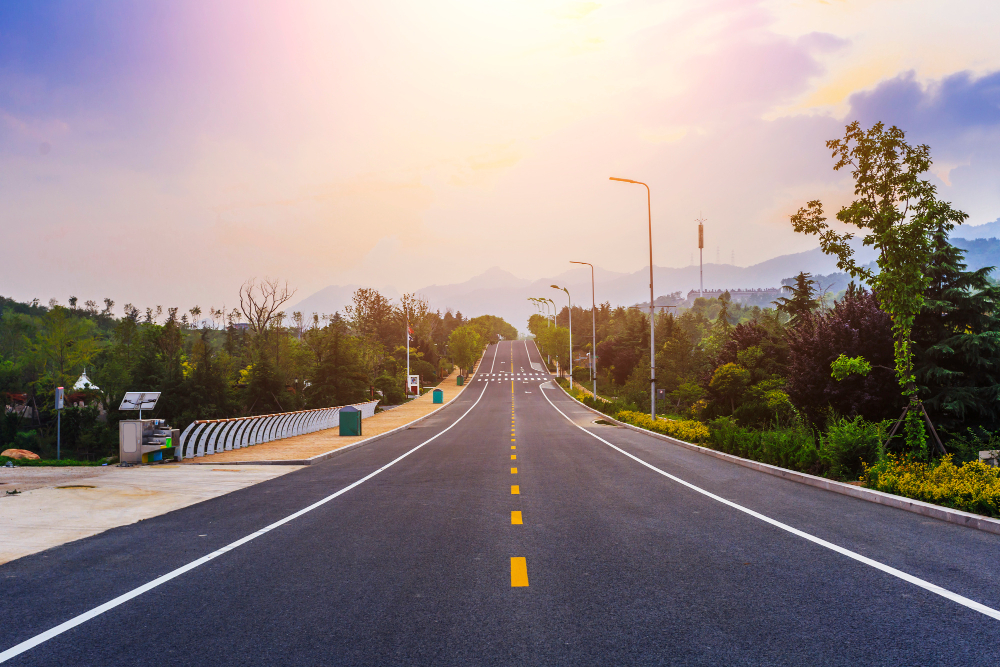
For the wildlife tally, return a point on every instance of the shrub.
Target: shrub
(848, 444)
(683, 429)
(970, 487)
(792, 446)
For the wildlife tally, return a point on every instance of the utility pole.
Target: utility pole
(701, 250)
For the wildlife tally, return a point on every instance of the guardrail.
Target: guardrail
(211, 436)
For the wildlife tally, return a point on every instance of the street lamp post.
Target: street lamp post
(570, 300)
(652, 300)
(593, 318)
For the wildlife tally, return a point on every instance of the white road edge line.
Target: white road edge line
(136, 592)
(916, 581)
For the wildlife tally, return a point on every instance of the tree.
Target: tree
(260, 302)
(339, 377)
(802, 301)
(491, 326)
(855, 327)
(957, 341)
(730, 381)
(464, 346)
(897, 210)
(63, 346)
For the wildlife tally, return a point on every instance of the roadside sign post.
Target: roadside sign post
(59, 407)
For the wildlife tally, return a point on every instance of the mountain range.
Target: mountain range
(498, 292)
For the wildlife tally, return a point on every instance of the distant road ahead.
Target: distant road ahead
(501, 532)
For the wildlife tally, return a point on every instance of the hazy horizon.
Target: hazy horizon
(166, 152)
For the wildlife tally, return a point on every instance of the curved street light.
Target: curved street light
(593, 319)
(570, 300)
(652, 300)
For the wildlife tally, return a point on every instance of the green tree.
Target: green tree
(491, 326)
(63, 346)
(897, 210)
(339, 377)
(464, 346)
(802, 302)
(729, 382)
(957, 340)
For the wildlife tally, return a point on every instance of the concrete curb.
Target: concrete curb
(337, 452)
(959, 517)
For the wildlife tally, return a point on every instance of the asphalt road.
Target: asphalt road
(612, 563)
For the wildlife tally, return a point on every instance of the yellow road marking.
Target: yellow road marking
(515, 490)
(518, 572)
(513, 446)
(513, 440)
(513, 471)
(515, 518)
(513, 457)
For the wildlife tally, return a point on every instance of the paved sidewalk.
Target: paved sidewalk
(305, 447)
(59, 505)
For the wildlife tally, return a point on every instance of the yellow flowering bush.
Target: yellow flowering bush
(686, 429)
(970, 487)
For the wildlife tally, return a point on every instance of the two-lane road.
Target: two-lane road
(509, 528)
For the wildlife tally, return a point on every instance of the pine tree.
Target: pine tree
(802, 301)
(957, 341)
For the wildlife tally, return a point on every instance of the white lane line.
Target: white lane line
(916, 581)
(122, 599)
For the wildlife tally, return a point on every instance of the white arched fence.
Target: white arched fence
(211, 436)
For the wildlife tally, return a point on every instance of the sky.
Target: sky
(163, 152)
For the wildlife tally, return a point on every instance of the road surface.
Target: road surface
(509, 529)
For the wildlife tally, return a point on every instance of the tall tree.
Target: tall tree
(803, 300)
(464, 346)
(897, 210)
(957, 340)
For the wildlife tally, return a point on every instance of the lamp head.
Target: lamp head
(623, 180)
(555, 287)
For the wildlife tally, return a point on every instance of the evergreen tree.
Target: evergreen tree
(339, 378)
(957, 340)
(802, 301)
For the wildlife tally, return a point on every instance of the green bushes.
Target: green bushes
(849, 444)
(793, 446)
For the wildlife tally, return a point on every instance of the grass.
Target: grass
(42, 463)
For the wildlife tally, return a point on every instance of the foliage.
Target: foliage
(729, 381)
(554, 342)
(855, 327)
(491, 327)
(687, 430)
(792, 446)
(802, 302)
(205, 367)
(464, 347)
(898, 210)
(969, 487)
(957, 341)
(849, 444)
(844, 366)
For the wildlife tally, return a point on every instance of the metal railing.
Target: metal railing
(211, 436)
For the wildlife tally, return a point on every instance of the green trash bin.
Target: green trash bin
(350, 421)
(460, 381)
(438, 396)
